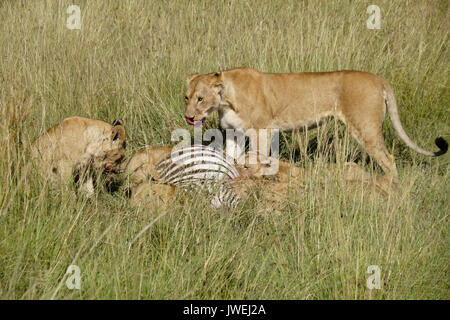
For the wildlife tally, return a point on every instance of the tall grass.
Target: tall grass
(130, 60)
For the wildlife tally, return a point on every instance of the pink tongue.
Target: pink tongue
(196, 122)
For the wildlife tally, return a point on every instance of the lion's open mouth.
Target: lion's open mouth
(191, 121)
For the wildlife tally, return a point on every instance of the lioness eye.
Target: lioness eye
(186, 98)
(200, 99)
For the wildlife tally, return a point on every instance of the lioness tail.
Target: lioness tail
(391, 105)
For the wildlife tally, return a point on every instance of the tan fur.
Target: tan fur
(288, 172)
(77, 145)
(141, 171)
(247, 98)
(141, 167)
(253, 165)
(149, 193)
(276, 187)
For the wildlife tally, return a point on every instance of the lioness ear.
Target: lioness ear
(117, 122)
(218, 86)
(218, 83)
(118, 133)
(192, 77)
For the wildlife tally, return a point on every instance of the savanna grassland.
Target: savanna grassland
(130, 60)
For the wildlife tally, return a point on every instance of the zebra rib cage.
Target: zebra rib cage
(201, 167)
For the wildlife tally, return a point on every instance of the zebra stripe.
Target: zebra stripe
(196, 155)
(203, 167)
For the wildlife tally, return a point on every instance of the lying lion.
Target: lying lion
(248, 99)
(141, 166)
(76, 146)
(275, 188)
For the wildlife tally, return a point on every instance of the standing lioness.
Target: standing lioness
(247, 98)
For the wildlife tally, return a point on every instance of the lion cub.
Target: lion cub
(141, 167)
(76, 146)
(142, 176)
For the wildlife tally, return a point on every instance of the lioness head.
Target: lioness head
(203, 96)
(114, 148)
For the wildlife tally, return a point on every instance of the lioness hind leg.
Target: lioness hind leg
(371, 139)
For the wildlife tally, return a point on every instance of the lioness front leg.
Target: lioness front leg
(261, 141)
(235, 143)
(266, 150)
